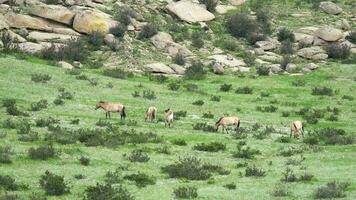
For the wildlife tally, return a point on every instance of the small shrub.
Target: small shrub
(5, 154)
(8, 183)
(348, 97)
(53, 184)
(191, 87)
(287, 47)
(186, 192)
(262, 71)
(63, 94)
(148, 31)
(149, 94)
(210, 147)
(244, 90)
(174, 86)
(254, 171)
(230, 186)
(245, 152)
(136, 94)
(331, 190)
(138, 156)
(215, 98)
(270, 108)
(10, 123)
(299, 83)
(124, 15)
(180, 114)
(305, 177)
(249, 59)
(338, 51)
(43, 122)
(117, 73)
(311, 140)
(190, 168)
(30, 137)
(280, 190)
(96, 38)
(158, 78)
(284, 139)
(58, 101)
(179, 142)
(198, 103)
(8, 42)
(285, 114)
(210, 4)
(118, 30)
(323, 91)
(141, 179)
(113, 177)
(264, 20)
(37, 106)
(241, 25)
(289, 176)
(255, 37)
(197, 40)
(163, 149)
(204, 127)
(289, 151)
(285, 61)
(225, 87)
(208, 115)
(285, 34)
(42, 153)
(84, 161)
(302, 44)
(179, 59)
(107, 191)
(352, 37)
(40, 78)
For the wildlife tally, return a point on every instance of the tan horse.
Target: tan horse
(168, 117)
(111, 107)
(151, 113)
(296, 129)
(227, 121)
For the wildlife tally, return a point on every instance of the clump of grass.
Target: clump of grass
(54, 184)
(331, 190)
(230, 186)
(149, 94)
(204, 127)
(186, 192)
(254, 171)
(208, 115)
(284, 34)
(179, 142)
(107, 191)
(262, 71)
(322, 91)
(289, 151)
(40, 78)
(245, 152)
(174, 86)
(338, 51)
(215, 98)
(197, 40)
(41, 104)
(210, 147)
(141, 179)
(195, 71)
(270, 108)
(43, 122)
(84, 161)
(5, 154)
(244, 90)
(179, 114)
(198, 103)
(42, 153)
(280, 190)
(8, 183)
(225, 87)
(138, 156)
(117, 73)
(148, 31)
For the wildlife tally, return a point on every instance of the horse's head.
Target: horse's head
(98, 105)
(167, 110)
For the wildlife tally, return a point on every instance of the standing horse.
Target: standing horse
(111, 107)
(227, 121)
(168, 117)
(151, 113)
(296, 129)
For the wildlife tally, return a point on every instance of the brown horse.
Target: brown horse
(296, 129)
(168, 117)
(227, 121)
(111, 107)
(151, 113)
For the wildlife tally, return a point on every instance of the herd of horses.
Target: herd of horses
(296, 128)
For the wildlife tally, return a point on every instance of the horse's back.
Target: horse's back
(297, 125)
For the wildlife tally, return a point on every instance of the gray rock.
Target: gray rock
(77, 64)
(259, 51)
(237, 2)
(49, 37)
(227, 61)
(190, 12)
(271, 57)
(329, 34)
(53, 12)
(275, 68)
(23, 32)
(65, 65)
(30, 47)
(291, 68)
(330, 7)
(178, 69)
(165, 42)
(311, 66)
(314, 53)
(3, 24)
(345, 25)
(218, 69)
(159, 68)
(267, 45)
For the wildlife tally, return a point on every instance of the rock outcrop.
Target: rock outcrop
(329, 34)
(190, 12)
(330, 7)
(165, 42)
(53, 12)
(314, 53)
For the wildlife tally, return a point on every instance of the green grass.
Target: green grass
(327, 164)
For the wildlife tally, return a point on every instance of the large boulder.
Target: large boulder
(89, 20)
(159, 68)
(314, 53)
(190, 12)
(30, 47)
(165, 41)
(267, 45)
(218, 69)
(3, 24)
(65, 65)
(53, 12)
(237, 2)
(227, 61)
(17, 38)
(222, 9)
(330, 7)
(329, 34)
(275, 68)
(178, 69)
(271, 57)
(49, 37)
(35, 23)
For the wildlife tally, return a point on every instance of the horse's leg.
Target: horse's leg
(106, 115)
(109, 115)
(290, 134)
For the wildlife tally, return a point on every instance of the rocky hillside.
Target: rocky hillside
(168, 36)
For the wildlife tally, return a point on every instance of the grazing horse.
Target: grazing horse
(151, 113)
(168, 117)
(296, 129)
(111, 107)
(227, 121)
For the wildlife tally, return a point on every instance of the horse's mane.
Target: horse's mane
(219, 120)
(101, 101)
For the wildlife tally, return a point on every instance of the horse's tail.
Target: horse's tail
(219, 120)
(238, 123)
(123, 112)
(154, 114)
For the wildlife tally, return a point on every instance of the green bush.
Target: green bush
(289, 176)
(138, 156)
(180, 114)
(148, 31)
(148, 94)
(262, 71)
(141, 179)
(245, 152)
(174, 86)
(289, 151)
(204, 127)
(179, 59)
(215, 98)
(270, 108)
(8, 183)
(323, 91)
(41, 104)
(5, 154)
(190, 168)
(249, 58)
(285, 61)
(242, 25)
(210, 4)
(53, 184)
(43, 122)
(40, 78)
(42, 153)
(264, 20)
(113, 177)
(96, 39)
(117, 73)
(179, 142)
(107, 191)
(280, 190)
(73, 50)
(255, 37)
(285, 34)
(84, 161)
(186, 192)
(254, 171)
(208, 115)
(210, 147)
(225, 87)
(118, 30)
(198, 103)
(352, 37)
(244, 90)
(8, 42)
(287, 47)
(230, 186)
(197, 40)
(158, 78)
(30, 137)
(338, 51)
(331, 190)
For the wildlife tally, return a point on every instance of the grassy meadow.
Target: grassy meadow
(325, 163)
